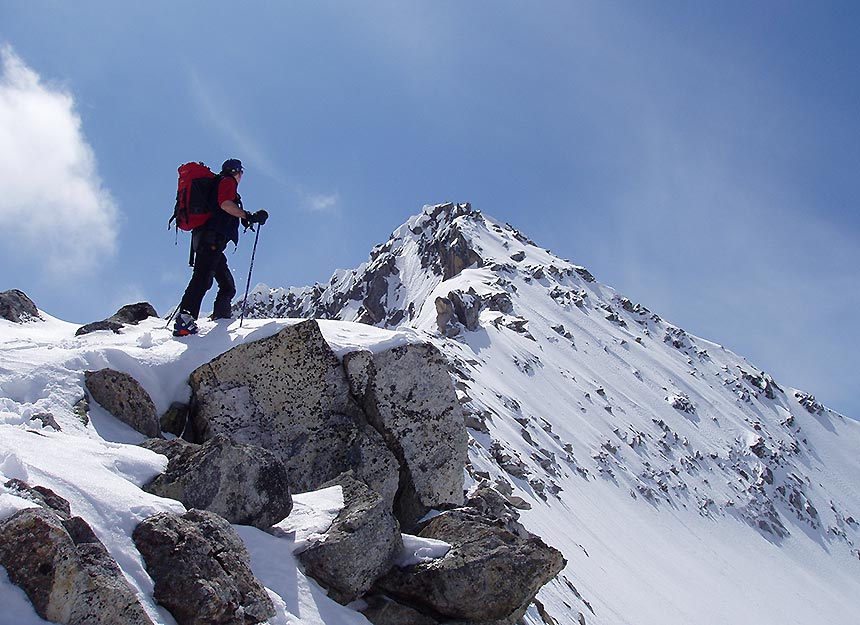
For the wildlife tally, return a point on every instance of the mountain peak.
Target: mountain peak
(431, 248)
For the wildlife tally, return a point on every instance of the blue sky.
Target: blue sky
(702, 158)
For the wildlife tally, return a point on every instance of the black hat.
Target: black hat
(231, 166)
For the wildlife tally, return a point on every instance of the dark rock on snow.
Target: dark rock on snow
(64, 569)
(124, 397)
(244, 484)
(15, 306)
(201, 570)
(130, 314)
(45, 497)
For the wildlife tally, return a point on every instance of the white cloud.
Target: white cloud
(323, 203)
(55, 211)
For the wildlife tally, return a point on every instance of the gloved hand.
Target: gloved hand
(259, 217)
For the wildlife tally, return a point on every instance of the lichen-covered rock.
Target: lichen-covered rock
(488, 575)
(244, 484)
(66, 571)
(15, 306)
(361, 544)
(408, 395)
(201, 570)
(124, 397)
(288, 393)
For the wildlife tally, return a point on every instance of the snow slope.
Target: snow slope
(682, 483)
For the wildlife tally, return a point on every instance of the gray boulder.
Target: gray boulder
(288, 393)
(244, 484)
(361, 545)
(130, 314)
(66, 571)
(489, 575)
(407, 394)
(201, 570)
(124, 397)
(15, 306)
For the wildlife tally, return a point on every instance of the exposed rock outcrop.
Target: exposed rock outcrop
(124, 397)
(63, 567)
(446, 318)
(490, 574)
(242, 483)
(288, 393)
(15, 306)
(130, 314)
(467, 307)
(359, 547)
(201, 570)
(408, 395)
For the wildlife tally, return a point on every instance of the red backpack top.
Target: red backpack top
(196, 196)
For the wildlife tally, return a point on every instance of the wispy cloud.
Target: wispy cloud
(55, 211)
(251, 150)
(216, 113)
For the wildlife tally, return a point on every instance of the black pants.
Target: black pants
(210, 264)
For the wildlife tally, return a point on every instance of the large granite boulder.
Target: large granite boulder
(201, 570)
(489, 575)
(124, 397)
(361, 544)
(15, 306)
(288, 393)
(407, 394)
(244, 484)
(129, 314)
(63, 567)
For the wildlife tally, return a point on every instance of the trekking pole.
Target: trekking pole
(250, 269)
(172, 315)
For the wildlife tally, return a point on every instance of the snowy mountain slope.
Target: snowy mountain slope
(682, 483)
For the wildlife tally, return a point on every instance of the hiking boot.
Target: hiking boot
(184, 325)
